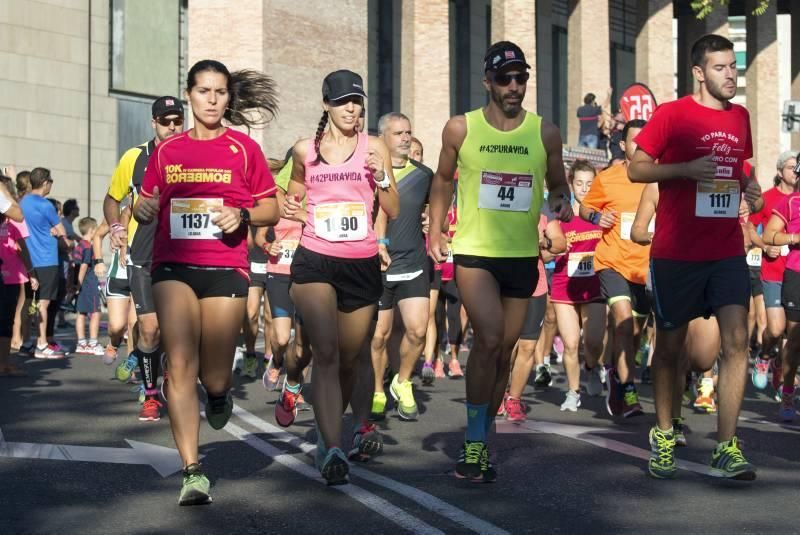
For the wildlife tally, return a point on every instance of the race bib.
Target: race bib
(403, 276)
(626, 224)
(580, 265)
(343, 221)
(258, 268)
(718, 199)
(509, 192)
(190, 219)
(754, 257)
(785, 250)
(288, 247)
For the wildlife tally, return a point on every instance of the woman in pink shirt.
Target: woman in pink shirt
(335, 273)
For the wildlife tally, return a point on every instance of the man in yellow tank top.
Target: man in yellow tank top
(504, 154)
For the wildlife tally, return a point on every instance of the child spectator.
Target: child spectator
(89, 296)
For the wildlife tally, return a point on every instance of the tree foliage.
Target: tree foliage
(702, 8)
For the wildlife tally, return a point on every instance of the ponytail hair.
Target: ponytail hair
(323, 122)
(253, 99)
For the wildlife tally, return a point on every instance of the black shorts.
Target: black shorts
(756, 288)
(615, 287)
(206, 282)
(258, 279)
(684, 290)
(141, 285)
(396, 291)
(280, 302)
(118, 289)
(534, 319)
(435, 276)
(357, 281)
(9, 294)
(517, 277)
(49, 283)
(790, 295)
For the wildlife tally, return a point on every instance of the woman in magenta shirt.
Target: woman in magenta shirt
(335, 274)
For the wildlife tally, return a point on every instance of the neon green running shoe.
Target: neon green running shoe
(126, 367)
(662, 454)
(728, 461)
(195, 486)
(250, 367)
(378, 410)
(403, 394)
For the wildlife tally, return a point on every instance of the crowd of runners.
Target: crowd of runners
(366, 268)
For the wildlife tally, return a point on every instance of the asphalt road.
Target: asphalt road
(558, 473)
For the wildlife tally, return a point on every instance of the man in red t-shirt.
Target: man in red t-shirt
(698, 266)
(773, 264)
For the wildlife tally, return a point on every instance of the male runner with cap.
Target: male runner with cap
(167, 121)
(406, 281)
(503, 154)
(701, 142)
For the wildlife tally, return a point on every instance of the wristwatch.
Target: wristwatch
(244, 215)
(385, 182)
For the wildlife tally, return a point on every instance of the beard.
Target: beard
(717, 91)
(509, 109)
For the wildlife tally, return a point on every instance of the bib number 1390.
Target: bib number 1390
(341, 221)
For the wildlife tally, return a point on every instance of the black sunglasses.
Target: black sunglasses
(163, 121)
(505, 79)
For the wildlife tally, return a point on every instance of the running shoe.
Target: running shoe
(614, 401)
(603, 375)
(662, 463)
(332, 465)
(83, 349)
(438, 369)
(594, 387)
(367, 441)
(777, 372)
(543, 375)
(786, 411)
(58, 348)
(647, 376)
(238, 360)
(378, 411)
(428, 375)
(403, 394)
(286, 407)
(759, 373)
(218, 410)
(728, 461)
(109, 355)
(501, 410)
(151, 410)
(250, 368)
(705, 397)
(97, 350)
(271, 376)
(515, 410)
(195, 486)
(488, 473)
(469, 461)
(126, 367)
(558, 347)
(454, 370)
(571, 402)
(630, 402)
(47, 353)
(302, 404)
(27, 350)
(642, 353)
(139, 391)
(679, 430)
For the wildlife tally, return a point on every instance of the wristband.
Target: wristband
(385, 183)
(383, 241)
(98, 261)
(595, 218)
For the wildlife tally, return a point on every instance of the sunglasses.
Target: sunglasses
(505, 79)
(163, 121)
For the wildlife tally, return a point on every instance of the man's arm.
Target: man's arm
(8, 206)
(643, 168)
(559, 197)
(441, 194)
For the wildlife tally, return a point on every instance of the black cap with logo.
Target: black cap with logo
(503, 54)
(166, 106)
(341, 84)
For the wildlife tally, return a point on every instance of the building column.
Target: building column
(544, 59)
(762, 81)
(654, 57)
(425, 78)
(515, 21)
(690, 29)
(795, 72)
(588, 53)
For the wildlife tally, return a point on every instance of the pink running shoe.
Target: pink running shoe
(454, 370)
(515, 410)
(438, 369)
(501, 410)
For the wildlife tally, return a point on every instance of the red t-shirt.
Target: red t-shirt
(771, 268)
(695, 223)
(193, 175)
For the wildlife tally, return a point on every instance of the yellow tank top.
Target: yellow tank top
(500, 189)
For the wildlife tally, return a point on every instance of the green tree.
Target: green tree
(703, 8)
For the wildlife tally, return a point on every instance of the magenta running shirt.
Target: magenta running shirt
(788, 209)
(574, 279)
(339, 201)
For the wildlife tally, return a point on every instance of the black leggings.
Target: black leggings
(9, 293)
(449, 306)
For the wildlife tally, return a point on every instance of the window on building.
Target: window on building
(470, 37)
(622, 29)
(383, 76)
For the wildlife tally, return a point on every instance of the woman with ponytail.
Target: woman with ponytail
(336, 271)
(205, 187)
